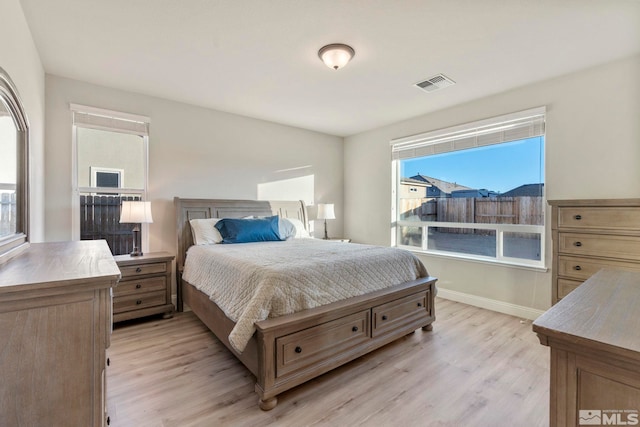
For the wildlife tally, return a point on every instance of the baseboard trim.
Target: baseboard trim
(491, 304)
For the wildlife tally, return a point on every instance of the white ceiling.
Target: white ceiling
(259, 58)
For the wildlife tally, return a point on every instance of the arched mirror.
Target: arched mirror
(14, 144)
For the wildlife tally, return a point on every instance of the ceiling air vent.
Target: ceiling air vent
(436, 82)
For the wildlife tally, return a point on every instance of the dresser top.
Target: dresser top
(59, 264)
(595, 202)
(147, 258)
(601, 314)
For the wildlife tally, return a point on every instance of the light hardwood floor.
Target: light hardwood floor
(476, 368)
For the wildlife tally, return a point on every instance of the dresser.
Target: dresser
(589, 235)
(595, 351)
(145, 288)
(55, 327)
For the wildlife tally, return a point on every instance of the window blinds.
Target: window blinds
(511, 127)
(97, 118)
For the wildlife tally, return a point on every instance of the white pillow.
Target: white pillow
(204, 231)
(300, 230)
(286, 229)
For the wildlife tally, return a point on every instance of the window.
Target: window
(109, 146)
(106, 177)
(14, 168)
(483, 194)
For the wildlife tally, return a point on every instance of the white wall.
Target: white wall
(592, 151)
(20, 59)
(193, 152)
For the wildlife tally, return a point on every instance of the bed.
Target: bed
(290, 349)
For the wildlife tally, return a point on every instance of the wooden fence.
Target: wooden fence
(478, 210)
(100, 219)
(7, 214)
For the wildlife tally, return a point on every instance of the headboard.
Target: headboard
(188, 209)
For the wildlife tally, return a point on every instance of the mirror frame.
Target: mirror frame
(9, 94)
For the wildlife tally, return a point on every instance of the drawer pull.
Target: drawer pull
(578, 244)
(419, 304)
(138, 285)
(577, 268)
(354, 329)
(138, 302)
(108, 362)
(384, 317)
(298, 350)
(138, 270)
(578, 217)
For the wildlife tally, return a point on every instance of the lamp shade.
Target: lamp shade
(336, 55)
(325, 211)
(136, 212)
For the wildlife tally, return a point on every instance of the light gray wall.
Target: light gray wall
(100, 149)
(20, 59)
(592, 151)
(193, 152)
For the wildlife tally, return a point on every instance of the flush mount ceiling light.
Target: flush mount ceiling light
(336, 55)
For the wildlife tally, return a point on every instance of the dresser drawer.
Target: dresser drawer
(139, 301)
(128, 287)
(391, 315)
(611, 218)
(310, 346)
(606, 246)
(142, 269)
(566, 286)
(583, 268)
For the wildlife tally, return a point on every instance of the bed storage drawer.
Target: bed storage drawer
(390, 316)
(128, 287)
(143, 269)
(311, 346)
(138, 301)
(599, 217)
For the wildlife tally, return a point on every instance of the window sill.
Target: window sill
(481, 260)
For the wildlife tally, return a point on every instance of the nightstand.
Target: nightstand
(338, 239)
(145, 287)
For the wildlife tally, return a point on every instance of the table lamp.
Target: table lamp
(136, 212)
(325, 212)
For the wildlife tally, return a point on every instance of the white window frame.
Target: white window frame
(112, 121)
(485, 132)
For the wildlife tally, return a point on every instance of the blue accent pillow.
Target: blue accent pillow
(245, 230)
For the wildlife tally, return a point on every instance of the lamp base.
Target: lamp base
(136, 237)
(326, 236)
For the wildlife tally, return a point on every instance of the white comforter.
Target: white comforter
(255, 281)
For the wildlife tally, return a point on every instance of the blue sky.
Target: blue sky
(500, 167)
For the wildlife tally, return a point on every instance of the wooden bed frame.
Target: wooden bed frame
(290, 350)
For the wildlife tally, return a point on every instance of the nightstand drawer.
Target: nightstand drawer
(145, 288)
(128, 287)
(142, 269)
(138, 301)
